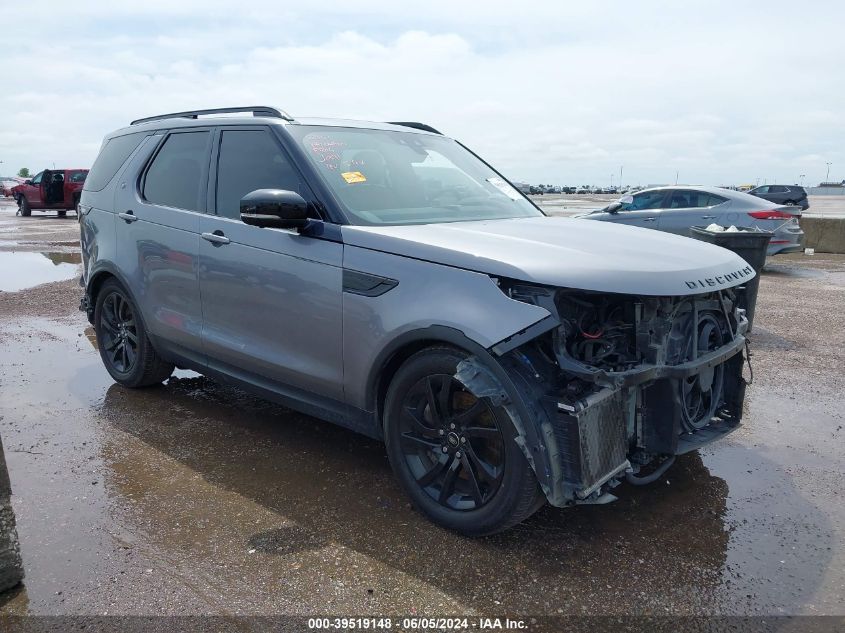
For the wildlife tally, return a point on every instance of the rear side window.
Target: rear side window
(694, 199)
(250, 160)
(76, 176)
(175, 175)
(111, 158)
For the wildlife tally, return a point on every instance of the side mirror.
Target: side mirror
(275, 209)
(27, 182)
(613, 207)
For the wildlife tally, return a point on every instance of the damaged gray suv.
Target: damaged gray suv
(383, 277)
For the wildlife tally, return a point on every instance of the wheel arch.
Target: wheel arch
(95, 282)
(400, 349)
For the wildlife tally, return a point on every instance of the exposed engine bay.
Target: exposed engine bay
(625, 380)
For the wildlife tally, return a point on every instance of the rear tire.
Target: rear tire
(23, 205)
(791, 202)
(125, 348)
(62, 213)
(455, 454)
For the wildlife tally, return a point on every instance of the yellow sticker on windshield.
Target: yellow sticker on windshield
(353, 176)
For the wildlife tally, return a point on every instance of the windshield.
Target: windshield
(385, 177)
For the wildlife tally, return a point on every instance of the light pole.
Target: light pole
(676, 177)
(801, 179)
(827, 177)
(620, 174)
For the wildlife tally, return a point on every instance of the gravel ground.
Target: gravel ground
(196, 498)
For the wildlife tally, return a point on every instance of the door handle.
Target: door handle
(217, 238)
(708, 217)
(649, 219)
(128, 216)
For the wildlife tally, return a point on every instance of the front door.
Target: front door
(642, 209)
(271, 298)
(33, 191)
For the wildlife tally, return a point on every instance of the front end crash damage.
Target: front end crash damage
(611, 383)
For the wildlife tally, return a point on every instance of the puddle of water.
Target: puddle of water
(20, 270)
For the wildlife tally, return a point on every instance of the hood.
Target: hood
(565, 252)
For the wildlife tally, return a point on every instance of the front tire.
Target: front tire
(455, 454)
(23, 205)
(122, 340)
(62, 213)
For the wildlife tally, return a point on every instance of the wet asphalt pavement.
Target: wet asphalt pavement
(196, 498)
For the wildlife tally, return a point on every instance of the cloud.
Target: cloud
(546, 93)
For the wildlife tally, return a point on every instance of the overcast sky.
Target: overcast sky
(717, 91)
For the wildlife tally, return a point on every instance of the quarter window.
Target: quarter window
(110, 159)
(250, 160)
(175, 175)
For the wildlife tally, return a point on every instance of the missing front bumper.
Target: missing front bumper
(617, 429)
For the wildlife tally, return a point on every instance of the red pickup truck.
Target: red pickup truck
(51, 189)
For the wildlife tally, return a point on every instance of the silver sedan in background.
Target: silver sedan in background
(676, 209)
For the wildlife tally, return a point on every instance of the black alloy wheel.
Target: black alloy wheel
(451, 444)
(457, 455)
(119, 332)
(126, 350)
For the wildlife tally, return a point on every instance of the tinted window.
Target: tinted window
(111, 158)
(777, 189)
(763, 189)
(250, 160)
(174, 177)
(711, 199)
(694, 199)
(76, 176)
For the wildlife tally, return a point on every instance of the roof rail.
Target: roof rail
(193, 114)
(416, 125)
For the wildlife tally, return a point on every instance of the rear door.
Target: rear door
(271, 298)
(688, 207)
(158, 233)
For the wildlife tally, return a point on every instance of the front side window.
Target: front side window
(763, 189)
(390, 177)
(175, 175)
(644, 201)
(36, 180)
(250, 160)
